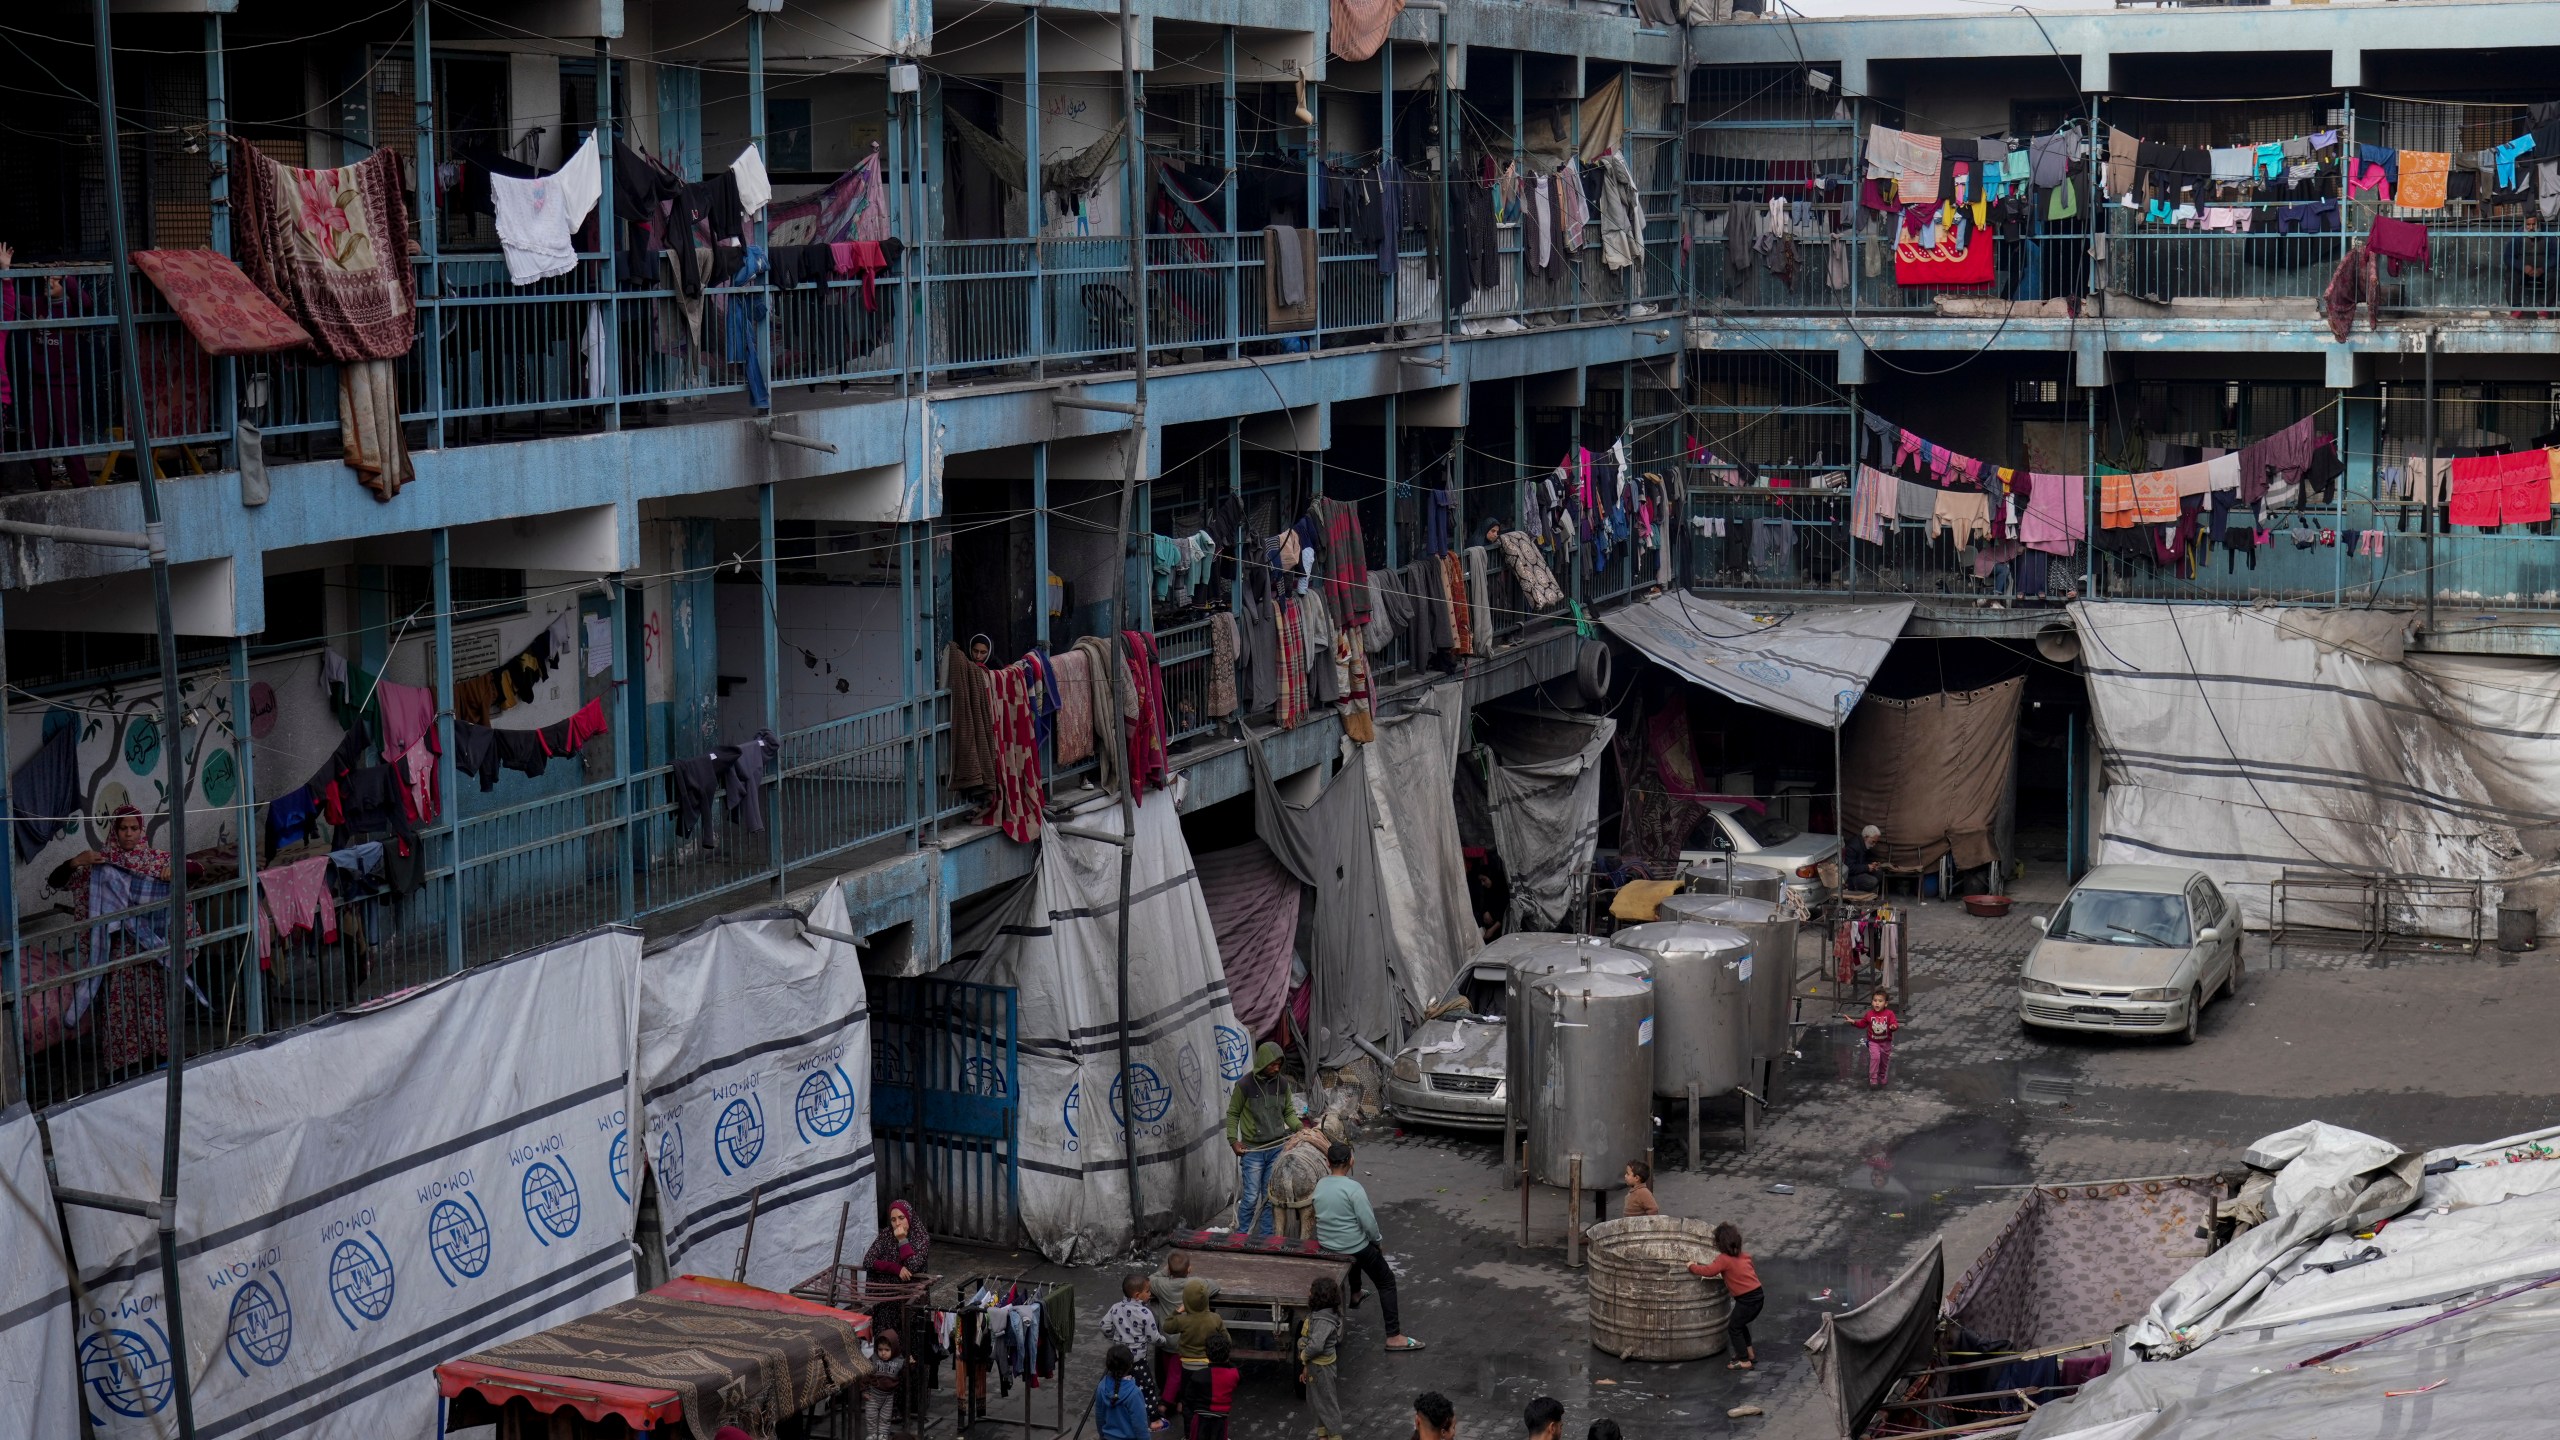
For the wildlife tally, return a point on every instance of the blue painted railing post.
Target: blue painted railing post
(1857, 447)
(1040, 544)
(1034, 202)
(253, 977)
(770, 633)
(449, 802)
(1395, 470)
(430, 286)
(629, 721)
(217, 123)
(607, 336)
(13, 1055)
(1232, 250)
(756, 137)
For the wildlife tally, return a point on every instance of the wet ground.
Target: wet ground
(2423, 1049)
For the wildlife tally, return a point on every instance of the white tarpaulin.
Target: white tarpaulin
(1422, 875)
(364, 1197)
(1809, 663)
(1543, 790)
(35, 1294)
(1186, 1049)
(753, 1034)
(2447, 1291)
(2248, 742)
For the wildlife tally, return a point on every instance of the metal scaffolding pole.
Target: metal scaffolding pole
(1133, 185)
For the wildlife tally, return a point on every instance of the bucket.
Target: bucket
(1645, 1305)
(2515, 929)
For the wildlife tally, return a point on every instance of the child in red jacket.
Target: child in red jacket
(1879, 1025)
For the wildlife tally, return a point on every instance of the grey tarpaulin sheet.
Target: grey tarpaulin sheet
(1422, 877)
(1253, 904)
(1331, 843)
(755, 1069)
(2246, 742)
(37, 1375)
(1543, 789)
(1860, 1353)
(1060, 951)
(1933, 773)
(1809, 663)
(2478, 1234)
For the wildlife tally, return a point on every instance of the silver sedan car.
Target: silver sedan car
(2134, 949)
(1451, 1071)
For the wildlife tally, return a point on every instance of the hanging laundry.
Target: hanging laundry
(536, 218)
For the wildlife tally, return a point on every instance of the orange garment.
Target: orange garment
(1740, 1276)
(2115, 502)
(2554, 457)
(2422, 177)
(2155, 497)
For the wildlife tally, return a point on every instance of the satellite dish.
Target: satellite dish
(2059, 643)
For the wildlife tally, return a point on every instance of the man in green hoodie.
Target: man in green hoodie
(1258, 1120)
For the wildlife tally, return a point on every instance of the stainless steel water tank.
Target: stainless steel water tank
(1701, 1004)
(1724, 875)
(1531, 958)
(1773, 958)
(1590, 1069)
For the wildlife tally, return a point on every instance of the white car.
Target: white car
(1451, 1072)
(1731, 829)
(2134, 949)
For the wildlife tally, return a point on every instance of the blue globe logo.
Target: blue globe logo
(360, 1279)
(671, 1161)
(458, 1238)
(1233, 1053)
(550, 1200)
(1766, 672)
(824, 1106)
(888, 1064)
(1067, 1108)
(619, 1166)
(260, 1330)
(128, 1371)
(739, 1137)
(1145, 1094)
(1186, 1068)
(982, 1076)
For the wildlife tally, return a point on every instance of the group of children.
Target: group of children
(1199, 1376)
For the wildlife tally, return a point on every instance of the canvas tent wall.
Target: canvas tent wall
(1412, 771)
(365, 1195)
(37, 1375)
(1542, 790)
(1056, 942)
(1935, 774)
(755, 1073)
(1329, 843)
(2249, 742)
(1811, 664)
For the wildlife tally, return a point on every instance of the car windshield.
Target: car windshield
(1482, 990)
(1767, 830)
(2121, 917)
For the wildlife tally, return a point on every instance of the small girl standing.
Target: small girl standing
(1319, 1340)
(1879, 1025)
(880, 1397)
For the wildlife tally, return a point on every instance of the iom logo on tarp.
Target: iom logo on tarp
(824, 1106)
(982, 1076)
(739, 1137)
(458, 1238)
(1067, 1109)
(1233, 1053)
(671, 1161)
(1765, 672)
(128, 1370)
(1186, 1068)
(1144, 1093)
(550, 1200)
(360, 1279)
(260, 1330)
(618, 1164)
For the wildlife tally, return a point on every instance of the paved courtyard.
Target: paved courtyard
(2421, 1049)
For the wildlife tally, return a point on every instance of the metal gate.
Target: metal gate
(945, 1104)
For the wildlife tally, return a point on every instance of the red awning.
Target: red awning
(640, 1407)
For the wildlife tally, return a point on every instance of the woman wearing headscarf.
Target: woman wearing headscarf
(898, 1255)
(133, 1024)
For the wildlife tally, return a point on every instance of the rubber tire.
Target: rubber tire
(2231, 982)
(2195, 1016)
(1593, 669)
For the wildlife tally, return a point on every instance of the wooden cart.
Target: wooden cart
(1261, 1296)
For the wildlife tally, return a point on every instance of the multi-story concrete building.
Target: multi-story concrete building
(775, 513)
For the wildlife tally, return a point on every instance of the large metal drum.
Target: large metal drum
(1701, 1004)
(1590, 1075)
(1773, 958)
(1724, 875)
(1645, 1305)
(1531, 958)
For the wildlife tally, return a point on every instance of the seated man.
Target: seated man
(1858, 860)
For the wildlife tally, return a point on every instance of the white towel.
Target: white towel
(754, 189)
(537, 217)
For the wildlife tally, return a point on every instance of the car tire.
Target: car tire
(2195, 1016)
(2231, 982)
(1592, 671)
